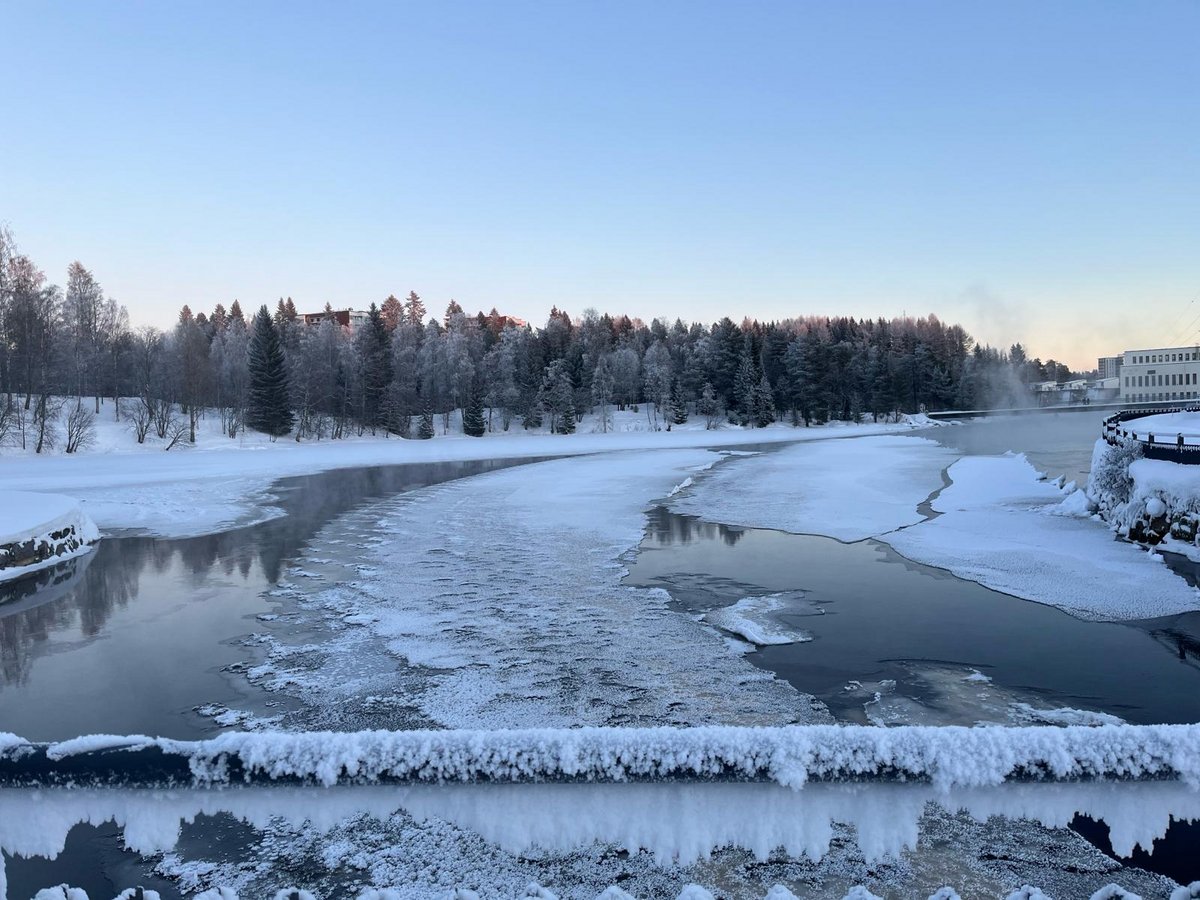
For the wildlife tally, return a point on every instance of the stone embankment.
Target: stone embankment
(40, 530)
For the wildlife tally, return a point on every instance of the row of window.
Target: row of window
(1161, 395)
(1148, 380)
(1163, 358)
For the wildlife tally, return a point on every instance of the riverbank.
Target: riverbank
(219, 484)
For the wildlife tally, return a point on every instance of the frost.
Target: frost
(1114, 892)
(945, 893)
(1027, 892)
(858, 892)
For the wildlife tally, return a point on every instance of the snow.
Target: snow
(220, 482)
(28, 516)
(850, 490)
(1166, 426)
(998, 526)
(757, 620)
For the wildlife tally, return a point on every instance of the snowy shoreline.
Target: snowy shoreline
(220, 484)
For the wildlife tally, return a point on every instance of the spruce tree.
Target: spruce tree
(679, 407)
(473, 424)
(269, 407)
(763, 404)
(425, 429)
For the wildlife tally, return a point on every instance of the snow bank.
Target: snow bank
(757, 620)
(850, 490)
(1003, 526)
(39, 530)
(219, 482)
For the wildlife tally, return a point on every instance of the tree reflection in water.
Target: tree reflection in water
(667, 528)
(81, 595)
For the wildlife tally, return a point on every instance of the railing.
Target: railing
(1180, 446)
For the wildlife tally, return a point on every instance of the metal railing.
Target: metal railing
(1178, 446)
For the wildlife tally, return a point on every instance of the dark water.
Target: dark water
(130, 638)
(880, 614)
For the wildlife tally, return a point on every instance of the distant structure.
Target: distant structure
(1160, 375)
(1109, 367)
(347, 318)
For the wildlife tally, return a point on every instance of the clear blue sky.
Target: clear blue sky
(1031, 169)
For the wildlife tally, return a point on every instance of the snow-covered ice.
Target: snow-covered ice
(1000, 524)
(847, 489)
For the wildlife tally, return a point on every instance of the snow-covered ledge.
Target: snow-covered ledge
(40, 530)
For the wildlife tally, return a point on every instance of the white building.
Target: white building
(1162, 375)
(1109, 366)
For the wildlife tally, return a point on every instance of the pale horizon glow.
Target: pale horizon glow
(1028, 170)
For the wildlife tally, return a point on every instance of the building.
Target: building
(1109, 367)
(1162, 375)
(347, 318)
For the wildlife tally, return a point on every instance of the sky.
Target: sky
(1030, 170)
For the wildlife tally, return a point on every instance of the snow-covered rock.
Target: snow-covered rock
(39, 530)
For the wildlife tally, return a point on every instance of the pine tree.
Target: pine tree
(566, 424)
(743, 392)
(679, 407)
(473, 424)
(425, 429)
(762, 404)
(269, 408)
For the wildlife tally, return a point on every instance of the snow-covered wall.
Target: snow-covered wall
(39, 530)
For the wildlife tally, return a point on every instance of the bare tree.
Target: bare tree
(80, 427)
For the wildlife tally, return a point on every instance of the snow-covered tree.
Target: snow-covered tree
(269, 404)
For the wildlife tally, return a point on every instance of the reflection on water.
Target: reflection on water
(883, 613)
(131, 637)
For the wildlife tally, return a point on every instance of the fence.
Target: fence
(1179, 446)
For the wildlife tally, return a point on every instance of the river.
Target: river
(134, 638)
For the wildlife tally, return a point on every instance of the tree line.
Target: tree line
(66, 350)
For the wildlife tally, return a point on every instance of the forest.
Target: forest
(402, 371)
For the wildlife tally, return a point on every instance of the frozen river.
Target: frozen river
(148, 633)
